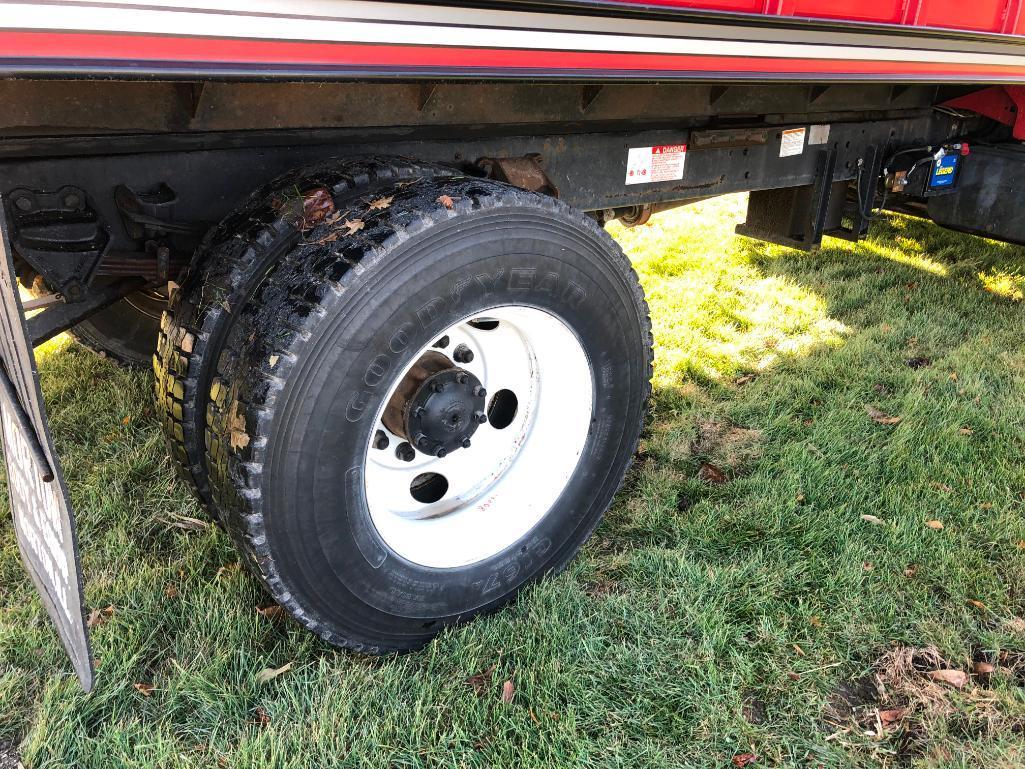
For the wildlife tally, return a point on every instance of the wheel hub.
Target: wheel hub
(445, 412)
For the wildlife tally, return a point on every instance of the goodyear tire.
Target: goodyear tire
(233, 259)
(426, 407)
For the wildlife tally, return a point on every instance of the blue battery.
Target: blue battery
(944, 171)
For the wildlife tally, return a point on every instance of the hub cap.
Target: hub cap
(479, 436)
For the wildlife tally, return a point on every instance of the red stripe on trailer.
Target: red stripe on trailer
(73, 48)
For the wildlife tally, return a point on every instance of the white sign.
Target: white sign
(655, 164)
(818, 134)
(792, 142)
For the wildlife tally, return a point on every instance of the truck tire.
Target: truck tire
(426, 407)
(234, 257)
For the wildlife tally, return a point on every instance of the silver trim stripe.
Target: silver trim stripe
(385, 23)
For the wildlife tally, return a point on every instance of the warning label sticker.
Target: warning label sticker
(792, 142)
(655, 164)
(818, 134)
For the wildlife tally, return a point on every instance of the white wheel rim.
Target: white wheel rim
(505, 483)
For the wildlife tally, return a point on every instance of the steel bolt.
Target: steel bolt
(421, 441)
(418, 412)
(462, 354)
(466, 443)
(479, 392)
(380, 440)
(441, 452)
(442, 343)
(437, 386)
(405, 452)
(480, 416)
(462, 378)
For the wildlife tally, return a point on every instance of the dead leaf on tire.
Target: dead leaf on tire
(352, 226)
(446, 201)
(508, 692)
(881, 417)
(237, 435)
(269, 674)
(934, 524)
(381, 203)
(956, 678)
(709, 473)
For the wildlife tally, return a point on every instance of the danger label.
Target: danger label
(655, 164)
(792, 142)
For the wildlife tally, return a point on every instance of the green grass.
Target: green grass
(671, 640)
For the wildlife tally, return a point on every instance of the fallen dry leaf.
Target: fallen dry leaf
(983, 668)
(814, 621)
(227, 570)
(934, 524)
(881, 417)
(481, 682)
(171, 591)
(743, 380)
(144, 689)
(873, 520)
(744, 759)
(985, 505)
(508, 692)
(711, 474)
(187, 523)
(794, 676)
(352, 226)
(888, 717)
(956, 678)
(126, 420)
(942, 487)
(273, 612)
(911, 570)
(381, 203)
(445, 200)
(1015, 625)
(317, 205)
(867, 566)
(1021, 544)
(978, 604)
(269, 674)
(798, 650)
(262, 718)
(98, 616)
(966, 431)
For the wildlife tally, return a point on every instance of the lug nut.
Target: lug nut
(441, 452)
(462, 354)
(421, 441)
(462, 378)
(437, 386)
(418, 412)
(405, 452)
(442, 343)
(380, 440)
(466, 443)
(480, 416)
(479, 392)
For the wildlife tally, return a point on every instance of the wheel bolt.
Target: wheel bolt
(466, 443)
(442, 343)
(421, 441)
(480, 416)
(380, 440)
(418, 412)
(462, 379)
(437, 386)
(479, 392)
(405, 452)
(462, 354)
(440, 453)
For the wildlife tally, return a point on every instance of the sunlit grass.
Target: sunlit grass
(672, 640)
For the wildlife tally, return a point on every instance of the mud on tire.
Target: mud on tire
(229, 264)
(299, 380)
